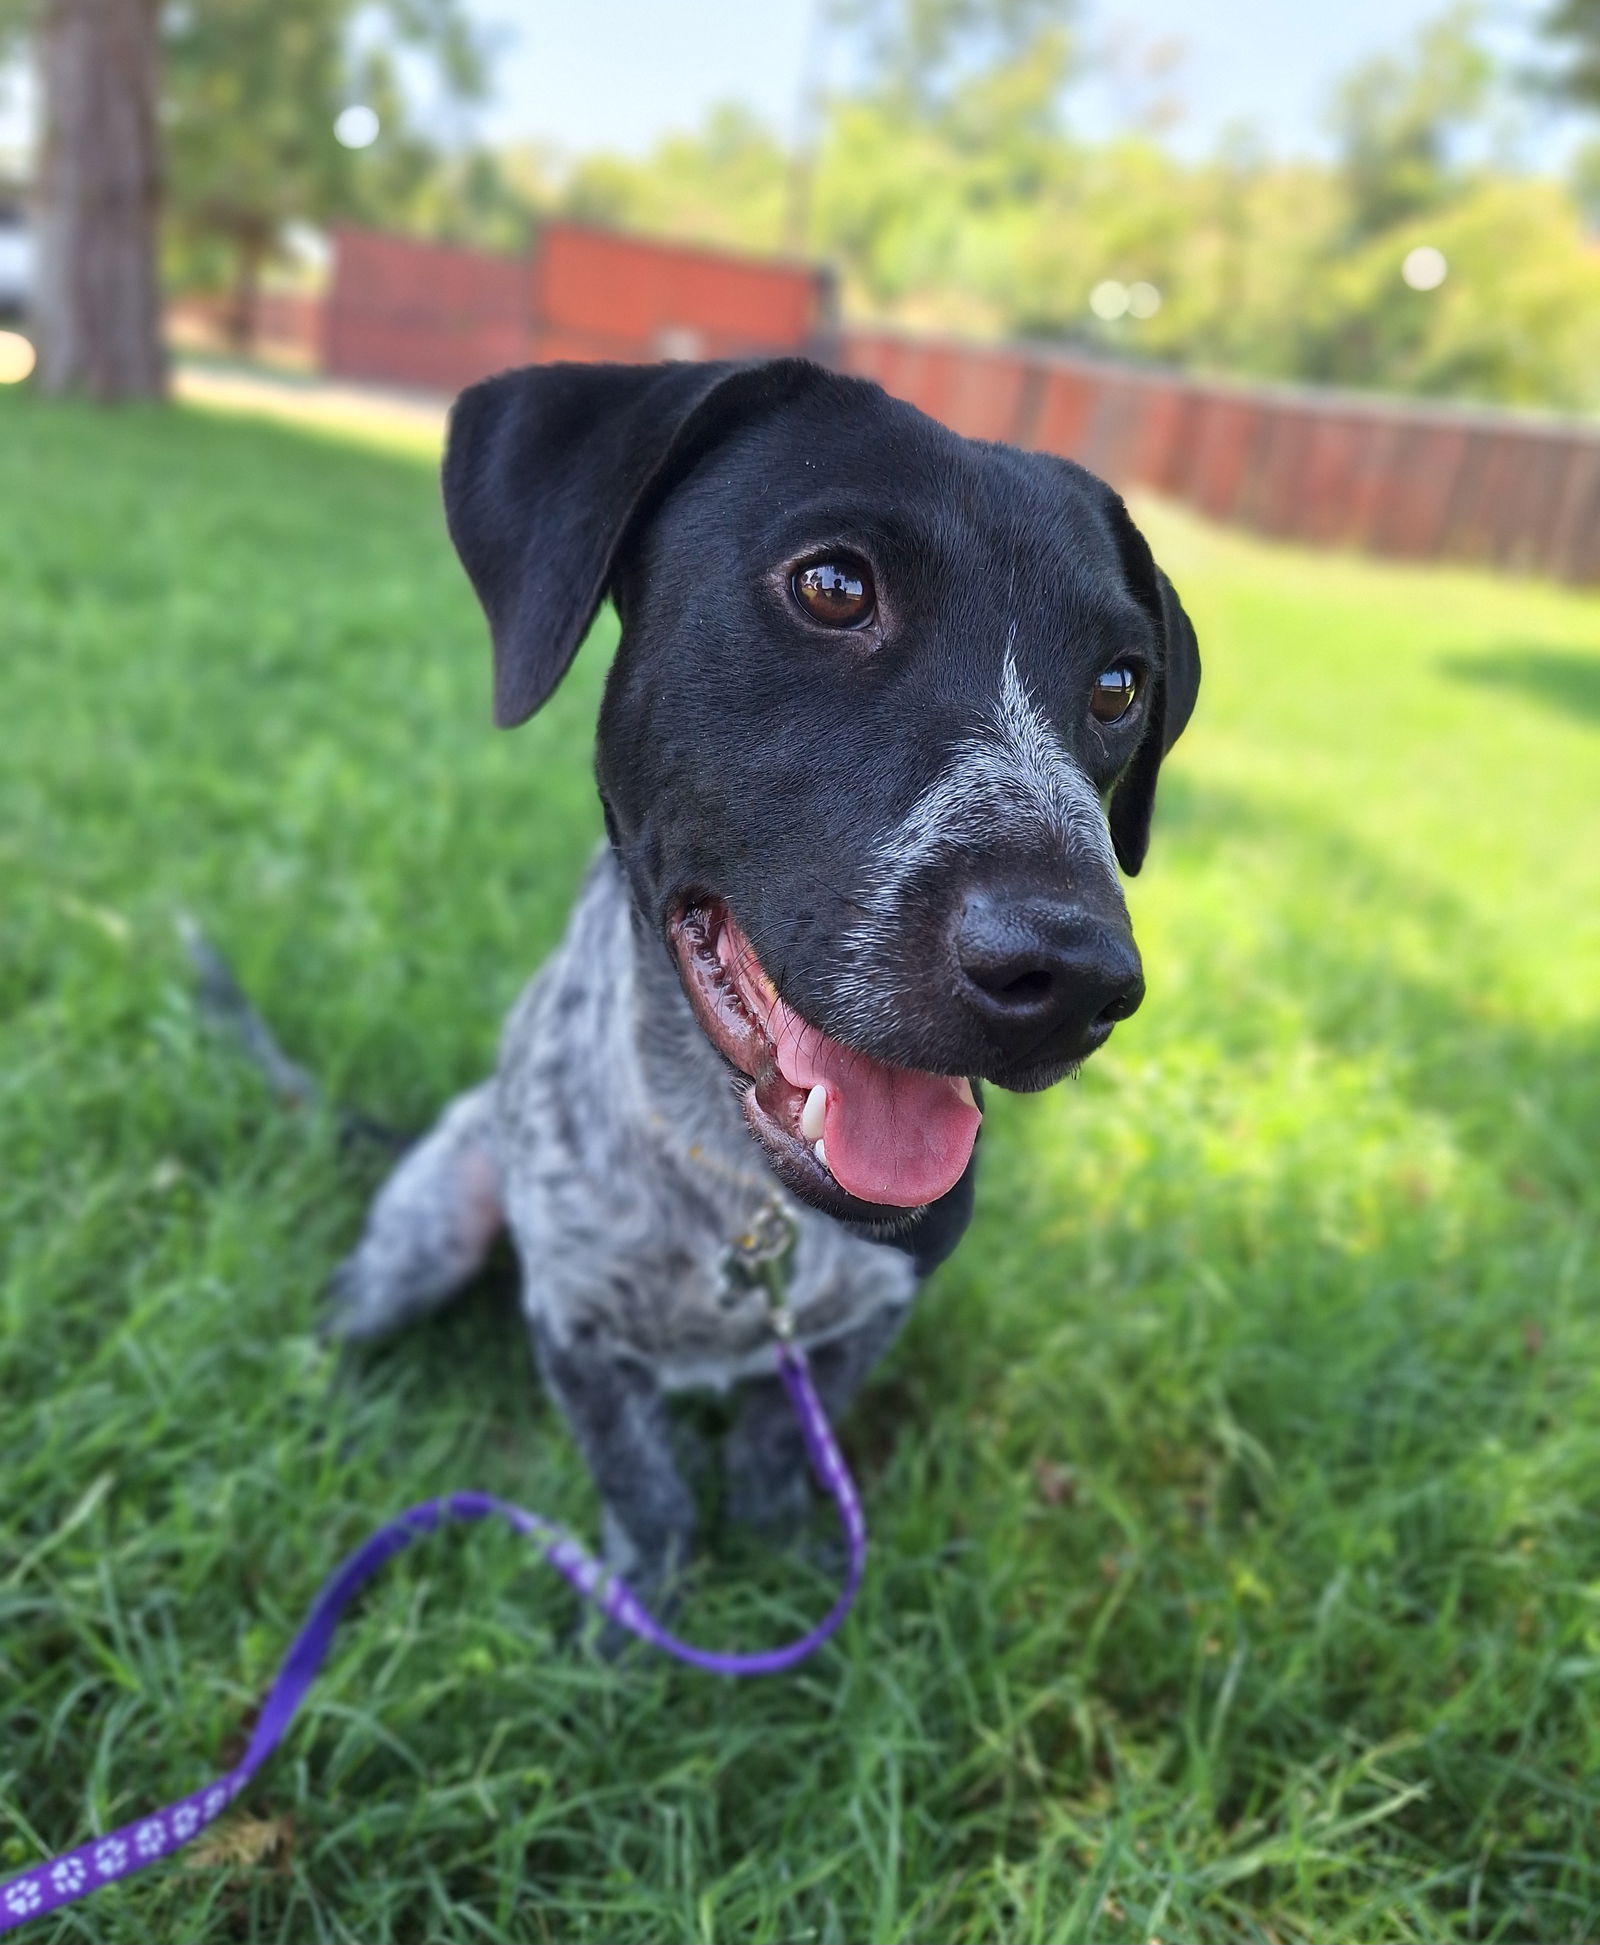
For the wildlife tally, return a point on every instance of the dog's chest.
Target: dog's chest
(662, 1273)
(627, 1183)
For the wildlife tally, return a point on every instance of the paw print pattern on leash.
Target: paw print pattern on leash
(111, 1857)
(24, 1897)
(57, 1881)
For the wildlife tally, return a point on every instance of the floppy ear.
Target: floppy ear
(1177, 683)
(545, 471)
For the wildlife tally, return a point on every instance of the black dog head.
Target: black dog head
(875, 688)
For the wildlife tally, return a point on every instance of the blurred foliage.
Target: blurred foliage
(489, 198)
(1586, 182)
(729, 184)
(1575, 25)
(946, 184)
(926, 55)
(252, 91)
(1394, 118)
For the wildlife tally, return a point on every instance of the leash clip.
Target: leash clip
(765, 1252)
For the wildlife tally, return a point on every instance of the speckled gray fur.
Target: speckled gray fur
(612, 1144)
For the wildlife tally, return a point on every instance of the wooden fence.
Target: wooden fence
(1395, 477)
(434, 316)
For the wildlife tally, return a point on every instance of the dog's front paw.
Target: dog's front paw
(655, 1579)
(775, 1505)
(607, 1640)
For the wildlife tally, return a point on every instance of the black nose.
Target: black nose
(1046, 978)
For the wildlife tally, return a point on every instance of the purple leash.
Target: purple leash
(62, 1880)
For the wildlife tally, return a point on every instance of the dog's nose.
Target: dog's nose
(1045, 977)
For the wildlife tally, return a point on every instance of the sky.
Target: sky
(617, 74)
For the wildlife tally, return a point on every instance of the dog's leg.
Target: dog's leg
(767, 1472)
(429, 1228)
(619, 1418)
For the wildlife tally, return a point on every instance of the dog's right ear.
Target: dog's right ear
(545, 471)
(1172, 698)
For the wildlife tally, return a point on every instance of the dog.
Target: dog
(886, 714)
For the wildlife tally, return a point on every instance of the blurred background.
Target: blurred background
(1152, 214)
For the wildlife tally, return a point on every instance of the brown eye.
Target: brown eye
(839, 593)
(1114, 691)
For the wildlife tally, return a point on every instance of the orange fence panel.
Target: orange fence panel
(1409, 480)
(600, 294)
(436, 316)
(423, 314)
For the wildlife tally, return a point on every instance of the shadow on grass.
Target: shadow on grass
(1560, 679)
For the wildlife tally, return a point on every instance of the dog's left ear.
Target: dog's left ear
(546, 471)
(1171, 703)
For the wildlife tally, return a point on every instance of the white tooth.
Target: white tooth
(963, 1089)
(821, 1154)
(811, 1113)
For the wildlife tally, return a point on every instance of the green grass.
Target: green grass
(1233, 1493)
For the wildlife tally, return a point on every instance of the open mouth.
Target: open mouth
(852, 1135)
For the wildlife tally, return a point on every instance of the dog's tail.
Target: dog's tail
(224, 1007)
(435, 1219)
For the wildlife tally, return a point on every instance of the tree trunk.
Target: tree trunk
(98, 306)
(250, 253)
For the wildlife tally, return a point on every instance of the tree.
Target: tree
(922, 55)
(254, 88)
(1577, 23)
(1583, 174)
(246, 93)
(728, 185)
(97, 305)
(1394, 119)
(486, 199)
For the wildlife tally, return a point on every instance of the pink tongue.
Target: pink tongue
(891, 1135)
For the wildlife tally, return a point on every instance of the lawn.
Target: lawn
(1235, 1493)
